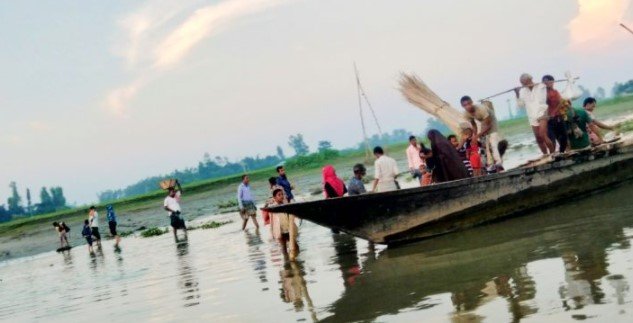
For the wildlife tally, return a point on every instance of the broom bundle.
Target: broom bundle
(420, 95)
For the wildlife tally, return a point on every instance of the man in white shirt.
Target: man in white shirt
(386, 171)
(172, 206)
(93, 218)
(413, 159)
(533, 97)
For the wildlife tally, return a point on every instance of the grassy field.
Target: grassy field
(606, 108)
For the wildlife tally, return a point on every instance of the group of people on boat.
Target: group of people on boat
(554, 121)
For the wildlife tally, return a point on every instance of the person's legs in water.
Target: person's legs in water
(254, 219)
(244, 221)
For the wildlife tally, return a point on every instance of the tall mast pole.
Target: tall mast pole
(627, 28)
(362, 118)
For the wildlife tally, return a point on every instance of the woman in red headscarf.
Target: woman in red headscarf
(332, 185)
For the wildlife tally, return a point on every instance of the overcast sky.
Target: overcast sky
(99, 94)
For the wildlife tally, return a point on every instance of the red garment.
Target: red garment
(553, 101)
(329, 177)
(473, 155)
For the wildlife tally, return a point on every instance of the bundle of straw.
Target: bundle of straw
(420, 95)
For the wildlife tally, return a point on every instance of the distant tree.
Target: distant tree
(46, 202)
(57, 198)
(4, 214)
(325, 145)
(620, 89)
(280, 153)
(600, 93)
(433, 123)
(14, 203)
(298, 145)
(29, 204)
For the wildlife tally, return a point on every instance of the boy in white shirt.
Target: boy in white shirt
(172, 206)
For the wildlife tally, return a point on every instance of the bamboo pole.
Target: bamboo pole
(627, 28)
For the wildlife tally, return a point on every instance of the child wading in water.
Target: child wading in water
(284, 227)
(87, 233)
(472, 145)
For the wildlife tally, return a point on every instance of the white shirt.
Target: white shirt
(413, 157)
(386, 170)
(173, 203)
(94, 220)
(534, 101)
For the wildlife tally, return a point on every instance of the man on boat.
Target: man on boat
(246, 202)
(282, 180)
(356, 185)
(172, 206)
(414, 160)
(579, 122)
(594, 129)
(487, 130)
(556, 130)
(386, 171)
(533, 97)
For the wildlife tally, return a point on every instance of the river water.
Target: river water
(566, 263)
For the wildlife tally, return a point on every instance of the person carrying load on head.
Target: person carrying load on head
(172, 206)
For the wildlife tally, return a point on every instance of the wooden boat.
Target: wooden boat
(418, 213)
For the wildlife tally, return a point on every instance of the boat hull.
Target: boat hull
(412, 214)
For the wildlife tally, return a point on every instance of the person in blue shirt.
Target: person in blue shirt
(111, 216)
(87, 233)
(282, 180)
(246, 202)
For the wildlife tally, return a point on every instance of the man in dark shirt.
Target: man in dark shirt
(282, 180)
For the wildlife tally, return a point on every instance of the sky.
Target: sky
(96, 95)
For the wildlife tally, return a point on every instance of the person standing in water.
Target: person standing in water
(62, 231)
(172, 206)
(533, 97)
(356, 185)
(282, 180)
(246, 203)
(386, 170)
(284, 227)
(93, 217)
(87, 233)
(112, 223)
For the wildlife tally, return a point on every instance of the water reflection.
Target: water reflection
(294, 288)
(346, 258)
(492, 262)
(255, 254)
(187, 280)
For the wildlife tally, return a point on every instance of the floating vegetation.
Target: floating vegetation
(214, 224)
(125, 233)
(227, 204)
(153, 232)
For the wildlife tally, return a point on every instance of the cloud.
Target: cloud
(11, 139)
(39, 125)
(156, 38)
(597, 22)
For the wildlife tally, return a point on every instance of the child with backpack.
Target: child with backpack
(87, 233)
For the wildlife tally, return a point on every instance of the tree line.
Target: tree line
(51, 200)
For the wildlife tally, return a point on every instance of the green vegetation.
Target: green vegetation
(227, 204)
(213, 224)
(153, 232)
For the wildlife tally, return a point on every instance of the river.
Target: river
(566, 263)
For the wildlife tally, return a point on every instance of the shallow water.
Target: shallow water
(566, 263)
